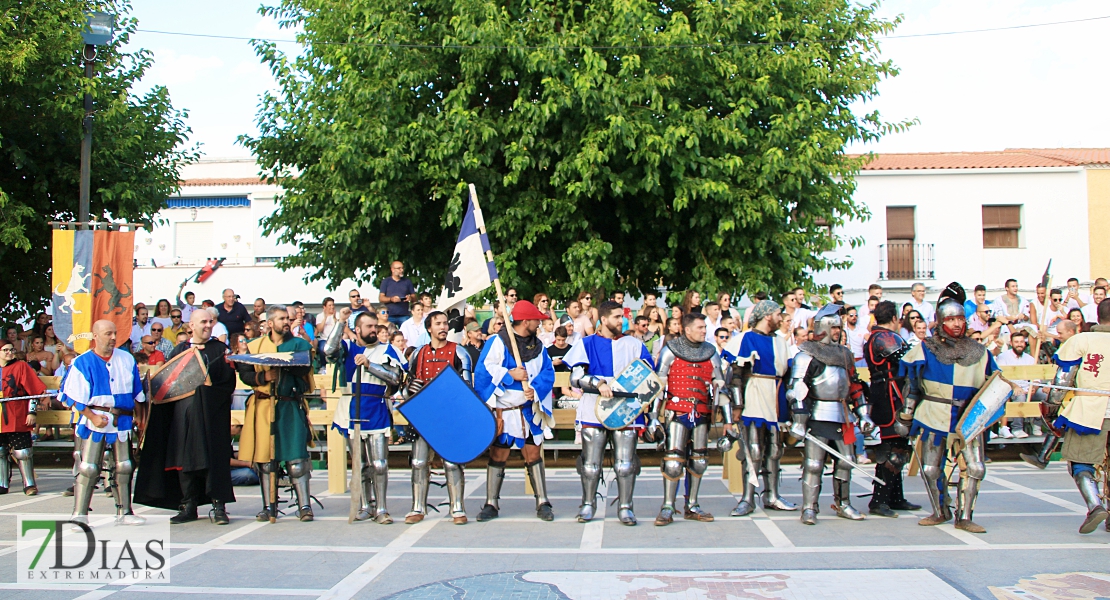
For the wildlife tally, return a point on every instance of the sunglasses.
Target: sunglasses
(153, 329)
(175, 316)
(588, 298)
(148, 343)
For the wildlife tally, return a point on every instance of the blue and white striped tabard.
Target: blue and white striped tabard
(496, 387)
(764, 398)
(604, 358)
(375, 415)
(103, 385)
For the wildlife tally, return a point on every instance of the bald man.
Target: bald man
(186, 460)
(104, 385)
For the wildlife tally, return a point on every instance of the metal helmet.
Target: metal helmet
(947, 309)
(824, 321)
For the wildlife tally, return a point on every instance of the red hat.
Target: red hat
(524, 310)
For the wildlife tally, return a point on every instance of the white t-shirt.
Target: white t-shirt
(219, 329)
(928, 313)
(414, 332)
(1008, 359)
(1090, 313)
(137, 333)
(1086, 298)
(802, 317)
(856, 341)
(998, 307)
(1054, 316)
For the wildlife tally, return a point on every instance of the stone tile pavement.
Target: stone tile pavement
(1032, 549)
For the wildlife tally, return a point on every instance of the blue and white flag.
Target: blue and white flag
(469, 272)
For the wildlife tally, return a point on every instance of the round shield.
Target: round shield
(178, 378)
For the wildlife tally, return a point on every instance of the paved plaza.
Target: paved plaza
(1031, 551)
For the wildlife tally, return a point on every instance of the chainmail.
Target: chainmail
(694, 352)
(529, 347)
(833, 355)
(964, 351)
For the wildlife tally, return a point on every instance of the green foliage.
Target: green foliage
(618, 144)
(137, 141)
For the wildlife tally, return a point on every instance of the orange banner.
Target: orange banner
(113, 262)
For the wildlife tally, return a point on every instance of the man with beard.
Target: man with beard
(523, 413)
(380, 370)
(757, 394)
(425, 364)
(104, 385)
(186, 458)
(882, 351)
(823, 386)
(942, 374)
(17, 379)
(596, 360)
(690, 369)
(275, 426)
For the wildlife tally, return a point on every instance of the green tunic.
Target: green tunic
(290, 424)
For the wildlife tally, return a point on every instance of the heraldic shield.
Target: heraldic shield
(634, 390)
(982, 411)
(275, 359)
(451, 418)
(178, 378)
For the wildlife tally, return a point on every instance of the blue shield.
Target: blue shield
(451, 418)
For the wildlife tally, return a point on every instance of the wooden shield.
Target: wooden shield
(619, 412)
(178, 378)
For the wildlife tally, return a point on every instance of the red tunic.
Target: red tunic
(688, 386)
(431, 362)
(18, 379)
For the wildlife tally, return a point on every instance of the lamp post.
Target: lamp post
(100, 28)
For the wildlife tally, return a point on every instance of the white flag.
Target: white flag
(469, 272)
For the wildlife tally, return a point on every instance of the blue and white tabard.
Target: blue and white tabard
(496, 387)
(375, 408)
(102, 385)
(764, 394)
(954, 382)
(604, 358)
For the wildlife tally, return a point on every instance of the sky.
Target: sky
(1036, 87)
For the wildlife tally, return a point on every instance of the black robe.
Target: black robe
(191, 435)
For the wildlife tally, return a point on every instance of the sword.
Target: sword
(809, 436)
(356, 460)
(1026, 383)
(749, 468)
(28, 397)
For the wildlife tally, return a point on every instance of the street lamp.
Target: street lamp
(98, 32)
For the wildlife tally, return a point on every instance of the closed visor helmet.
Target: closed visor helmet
(947, 309)
(824, 321)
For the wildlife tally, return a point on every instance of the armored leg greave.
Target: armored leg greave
(773, 449)
(88, 471)
(121, 451)
(378, 449)
(420, 461)
(975, 459)
(25, 462)
(539, 481)
(300, 472)
(269, 504)
(627, 465)
(456, 488)
(1040, 459)
(932, 473)
(495, 476)
(813, 465)
(589, 469)
(755, 446)
(1088, 488)
(696, 466)
(6, 470)
(673, 461)
(842, 483)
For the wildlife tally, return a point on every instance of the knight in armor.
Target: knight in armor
(186, 457)
(104, 385)
(380, 371)
(276, 428)
(430, 360)
(523, 414)
(756, 395)
(17, 379)
(823, 392)
(691, 371)
(883, 350)
(1082, 362)
(942, 374)
(595, 362)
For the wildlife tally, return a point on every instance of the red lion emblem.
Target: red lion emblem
(1092, 363)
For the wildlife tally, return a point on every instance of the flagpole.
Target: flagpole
(500, 294)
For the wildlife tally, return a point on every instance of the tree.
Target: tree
(138, 141)
(619, 144)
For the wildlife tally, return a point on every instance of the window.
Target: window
(193, 239)
(900, 248)
(1001, 226)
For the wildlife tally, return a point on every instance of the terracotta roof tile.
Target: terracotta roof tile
(223, 181)
(1078, 156)
(1009, 158)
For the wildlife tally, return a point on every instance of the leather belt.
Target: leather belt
(758, 376)
(956, 403)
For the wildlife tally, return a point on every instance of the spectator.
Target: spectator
(546, 333)
(187, 307)
(162, 313)
(510, 299)
(157, 333)
(689, 301)
(327, 319)
(1014, 356)
(1010, 305)
(242, 472)
(920, 331)
(207, 304)
(141, 358)
(836, 292)
(677, 312)
(384, 333)
(176, 325)
(154, 357)
(139, 328)
(651, 338)
(984, 323)
(492, 326)
(582, 324)
(232, 314)
(729, 323)
(67, 359)
(413, 329)
(979, 296)
(238, 344)
(724, 300)
(183, 336)
(855, 338)
(473, 341)
(651, 302)
(259, 312)
(383, 315)
(674, 328)
(712, 312)
(557, 351)
(1075, 299)
(397, 340)
(925, 310)
(865, 319)
(39, 358)
(219, 330)
(907, 331)
(396, 291)
(721, 336)
(357, 306)
(1090, 310)
(756, 299)
(807, 313)
(1056, 310)
(1075, 315)
(426, 300)
(299, 327)
(50, 339)
(543, 303)
(906, 308)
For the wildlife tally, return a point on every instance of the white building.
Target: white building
(218, 214)
(978, 218)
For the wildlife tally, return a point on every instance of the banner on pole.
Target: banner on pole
(469, 272)
(91, 280)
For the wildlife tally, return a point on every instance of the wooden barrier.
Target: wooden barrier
(564, 419)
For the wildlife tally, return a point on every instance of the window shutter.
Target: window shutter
(899, 223)
(193, 239)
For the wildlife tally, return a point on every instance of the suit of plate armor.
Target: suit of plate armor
(692, 372)
(823, 387)
(423, 367)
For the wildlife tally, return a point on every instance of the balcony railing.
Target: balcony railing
(903, 261)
